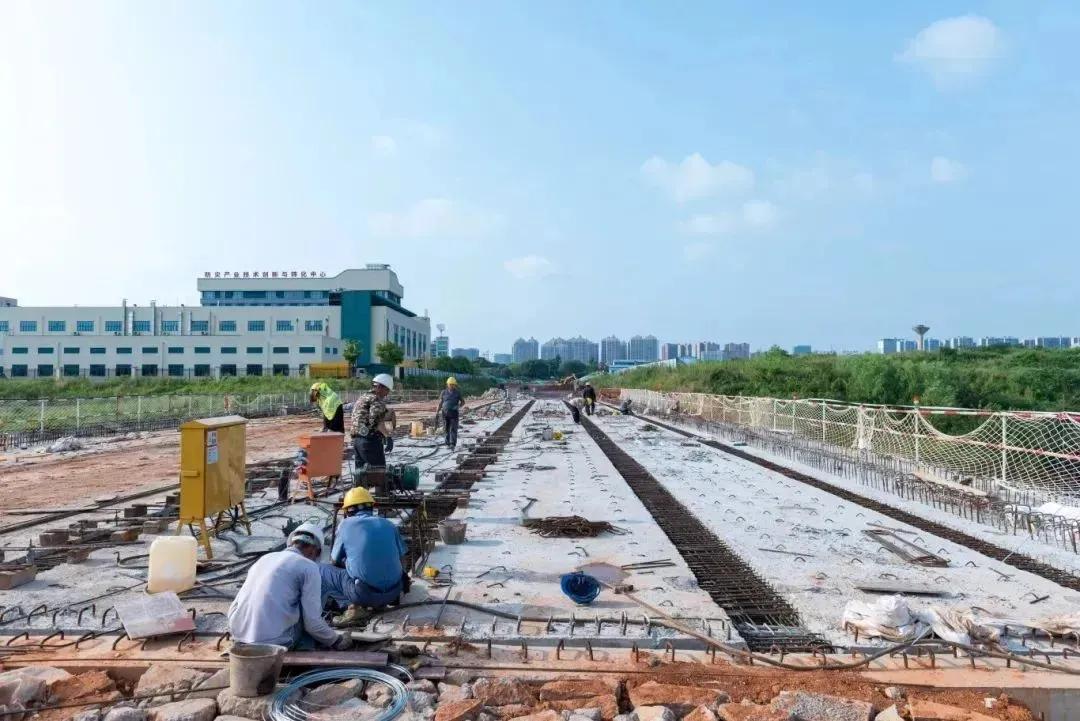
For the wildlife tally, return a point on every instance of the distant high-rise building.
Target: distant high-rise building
(670, 351)
(612, 349)
(503, 359)
(801, 350)
(1053, 342)
(705, 350)
(1031, 342)
(961, 341)
(995, 341)
(736, 351)
(888, 346)
(552, 349)
(933, 344)
(525, 350)
(582, 350)
(470, 353)
(440, 346)
(643, 348)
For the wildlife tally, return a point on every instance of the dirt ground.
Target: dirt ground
(103, 468)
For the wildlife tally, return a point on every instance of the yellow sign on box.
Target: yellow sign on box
(212, 468)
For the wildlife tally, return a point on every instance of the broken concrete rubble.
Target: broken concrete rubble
(541, 716)
(577, 688)
(167, 681)
(680, 699)
(747, 711)
(820, 707)
(608, 706)
(449, 693)
(502, 691)
(458, 710)
(197, 709)
(654, 713)
(255, 707)
(920, 710)
(125, 713)
(701, 713)
(332, 694)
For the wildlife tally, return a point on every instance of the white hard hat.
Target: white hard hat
(384, 379)
(310, 531)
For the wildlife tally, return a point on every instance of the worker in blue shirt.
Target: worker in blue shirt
(450, 405)
(367, 568)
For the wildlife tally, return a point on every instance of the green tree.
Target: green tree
(389, 353)
(572, 368)
(351, 352)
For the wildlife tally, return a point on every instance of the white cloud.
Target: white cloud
(696, 178)
(697, 251)
(529, 266)
(715, 224)
(383, 145)
(434, 218)
(956, 50)
(759, 214)
(944, 170)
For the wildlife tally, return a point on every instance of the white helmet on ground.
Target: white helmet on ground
(384, 379)
(309, 532)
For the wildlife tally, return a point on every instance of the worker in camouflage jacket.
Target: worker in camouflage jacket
(368, 424)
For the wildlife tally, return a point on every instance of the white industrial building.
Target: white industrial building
(249, 323)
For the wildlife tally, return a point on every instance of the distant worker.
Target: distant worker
(589, 394)
(329, 402)
(625, 407)
(367, 424)
(281, 599)
(366, 569)
(450, 403)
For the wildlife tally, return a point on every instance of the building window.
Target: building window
(200, 326)
(313, 326)
(200, 370)
(71, 370)
(254, 349)
(19, 371)
(228, 369)
(45, 350)
(141, 326)
(279, 349)
(72, 351)
(202, 349)
(279, 294)
(123, 370)
(114, 326)
(170, 326)
(97, 371)
(253, 294)
(45, 371)
(149, 349)
(28, 326)
(283, 326)
(253, 369)
(97, 351)
(175, 349)
(281, 369)
(20, 351)
(225, 293)
(149, 369)
(84, 326)
(123, 351)
(228, 350)
(57, 326)
(226, 326)
(256, 326)
(4, 326)
(307, 349)
(307, 293)
(176, 370)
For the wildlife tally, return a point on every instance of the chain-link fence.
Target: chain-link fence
(28, 422)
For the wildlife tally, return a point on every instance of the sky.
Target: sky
(770, 172)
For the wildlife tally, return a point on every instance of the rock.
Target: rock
(19, 689)
(380, 696)
(509, 711)
(541, 716)
(591, 714)
(90, 683)
(626, 717)
(485, 716)
(125, 713)
(820, 707)
(256, 707)
(503, 691)
(233, 718)
(701, 713)
(448, 693)
(459, 676)
(751, 712)
(576, 688)
(571, 716)
(167, 680)
(468, 708)
(892, 692)
(196, 709)
(333, 694)
(930, 711)
(422, 685)
(351, 709)
(61, 445)
(421, 700)
(212, 683)
(680, 699)
(48, 674)
(889, 714)
(654, 713)
(608, 705)
(93, 714)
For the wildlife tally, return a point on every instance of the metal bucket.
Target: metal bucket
(254, 668)
(452, 532)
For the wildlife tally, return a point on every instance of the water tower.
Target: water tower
(920, 330)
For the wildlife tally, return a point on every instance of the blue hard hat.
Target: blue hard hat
(580, 587)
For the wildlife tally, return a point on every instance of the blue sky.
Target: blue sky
(824, 173)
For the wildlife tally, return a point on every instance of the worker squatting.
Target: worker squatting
(285, 592)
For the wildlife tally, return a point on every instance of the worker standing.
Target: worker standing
(450, 403)
(366, 568)
(588, 393)
(366, 424)
(281, 599)
(329, 402)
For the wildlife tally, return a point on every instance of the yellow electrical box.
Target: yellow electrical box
(212, 482)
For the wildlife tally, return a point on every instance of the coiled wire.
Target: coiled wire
(287, 704)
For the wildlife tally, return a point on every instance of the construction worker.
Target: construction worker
(367, 565)
(281, 599)
(333, 412)
(366, 424)
(588, 393)
(450, 403)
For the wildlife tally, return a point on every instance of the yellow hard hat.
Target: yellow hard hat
(316, 386)
(357, 497)
(451, 381)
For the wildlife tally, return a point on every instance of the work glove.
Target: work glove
(389, 445)
(343, 642)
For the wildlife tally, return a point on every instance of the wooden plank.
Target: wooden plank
(361, 659)
(903, 590)
(48, 511)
